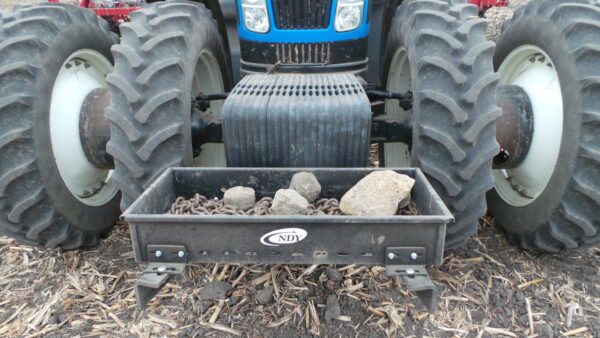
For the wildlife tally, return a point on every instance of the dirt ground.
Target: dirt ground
(488, 288)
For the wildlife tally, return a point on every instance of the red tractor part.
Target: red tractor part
(116, 14)
(484, 5)
(119, 11)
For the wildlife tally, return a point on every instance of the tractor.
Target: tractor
(97, 100)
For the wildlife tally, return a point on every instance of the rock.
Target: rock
(215, 291)
(240, 197)
(333, 274)
(333, 309)
(188, 332)
(307, 185)
(62, 317)
(265, 296)
(544, 330)
(234, 300)
(205, 305)
(289, 202)
(53, 319)
(405, 202)
(378, 194)
(304, 295)
(519, 295)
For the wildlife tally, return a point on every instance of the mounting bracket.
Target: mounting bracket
(167, 261)
(409, 263)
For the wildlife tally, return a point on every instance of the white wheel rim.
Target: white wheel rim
(533, 70)
(399, 81)
(84, 71)
(208, 80)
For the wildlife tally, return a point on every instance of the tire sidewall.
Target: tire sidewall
(454, 110)
(166, 39)
(539, 32)
(69, 40)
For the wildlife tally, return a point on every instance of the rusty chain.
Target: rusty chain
(200, 205)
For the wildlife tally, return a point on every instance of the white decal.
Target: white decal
(283, 237)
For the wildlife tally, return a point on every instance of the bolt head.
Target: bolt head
(180, 254)
(161, 269)
(391, 255)
(410, 271)
(414, 256)
(158, 253)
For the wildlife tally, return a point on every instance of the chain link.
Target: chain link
(200, 205)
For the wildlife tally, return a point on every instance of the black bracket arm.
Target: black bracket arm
(404, 100)
(409, 263)
(166, 261)
(202, 102)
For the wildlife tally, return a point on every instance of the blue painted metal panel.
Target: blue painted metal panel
(329, 34)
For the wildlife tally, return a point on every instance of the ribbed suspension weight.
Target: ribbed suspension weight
(292, 120)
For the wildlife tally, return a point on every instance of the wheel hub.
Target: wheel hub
(530, 131)
(79, 83)
(94, 129)
(514, 129)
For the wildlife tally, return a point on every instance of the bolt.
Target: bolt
(410, 271)
(161, 269)
(158, 253)
(391, 255)
(414, 256)
(181, 254)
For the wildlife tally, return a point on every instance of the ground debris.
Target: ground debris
(87, 293)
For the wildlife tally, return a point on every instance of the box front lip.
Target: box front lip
(444, 217)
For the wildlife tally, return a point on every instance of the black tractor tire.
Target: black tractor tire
(36, 207)
(151, 90)
(454, 108)
(567, 213)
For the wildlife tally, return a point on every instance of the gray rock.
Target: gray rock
(234, 300)
(544, 330)
(405, 202)
(215, 290)
(307, 185)
(265, 296)
(53, 319)
(289, 202)
(205, 305)
(333, 274)
(304, 295)
(62, 317)
(378, 194)
(333, 309)
(240, 197)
